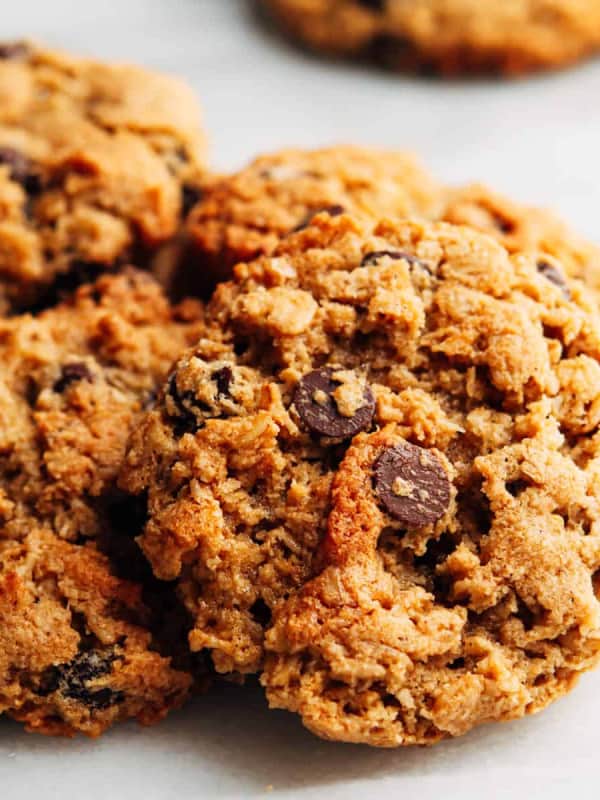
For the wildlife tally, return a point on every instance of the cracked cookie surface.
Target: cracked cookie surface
(451, 37)
(245, 215)
(87, 637)
(97, 164)
(380, 466)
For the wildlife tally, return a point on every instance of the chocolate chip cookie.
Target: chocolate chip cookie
(87, 637)
(247, 214)
(244, 215)
(380, 466)
(451, 37)
(97, 163)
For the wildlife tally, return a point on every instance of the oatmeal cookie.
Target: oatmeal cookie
(247, 214)
(383, 457)
(84, 629)
(97, 163)
(451, 37)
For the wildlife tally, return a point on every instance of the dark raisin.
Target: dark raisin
(73, 680)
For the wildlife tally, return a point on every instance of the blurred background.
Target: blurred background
(536, 139)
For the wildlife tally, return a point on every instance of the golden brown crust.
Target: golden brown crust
(408, 632)
(94, 159)
(448, 36)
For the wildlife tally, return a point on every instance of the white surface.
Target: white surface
(537, 140)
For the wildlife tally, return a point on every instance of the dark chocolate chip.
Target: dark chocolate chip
(13, 51)
(71, 373)
(223, 378)
(72, 680)
(190, 195)
(371, 259)
(333, 211)
(21, 169)
(192, 412)
(412, 485)
(321, 414)
(555, 276)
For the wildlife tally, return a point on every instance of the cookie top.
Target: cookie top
(97, 163)
(447, 36)
(82, 623)
(407, 415)
(247, 214)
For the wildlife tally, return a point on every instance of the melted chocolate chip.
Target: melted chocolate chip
(21, 169)
(412, 485)
(371, 259)
(71, 373)
(13, 51)
(333, 211)
(72, 680)
(555, 276)
(318, 410)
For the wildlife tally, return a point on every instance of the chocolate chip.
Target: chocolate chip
(71, 373)
(318, 410)
(191, 412)
(185, 421)
(223, 378)
(555, 276)
(412, 485)
(372, 259)
(72, 680)
(190, 195)
(333, 211)
(13, 51)
(21, 169)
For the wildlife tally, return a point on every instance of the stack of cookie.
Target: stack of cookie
(351, 444)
